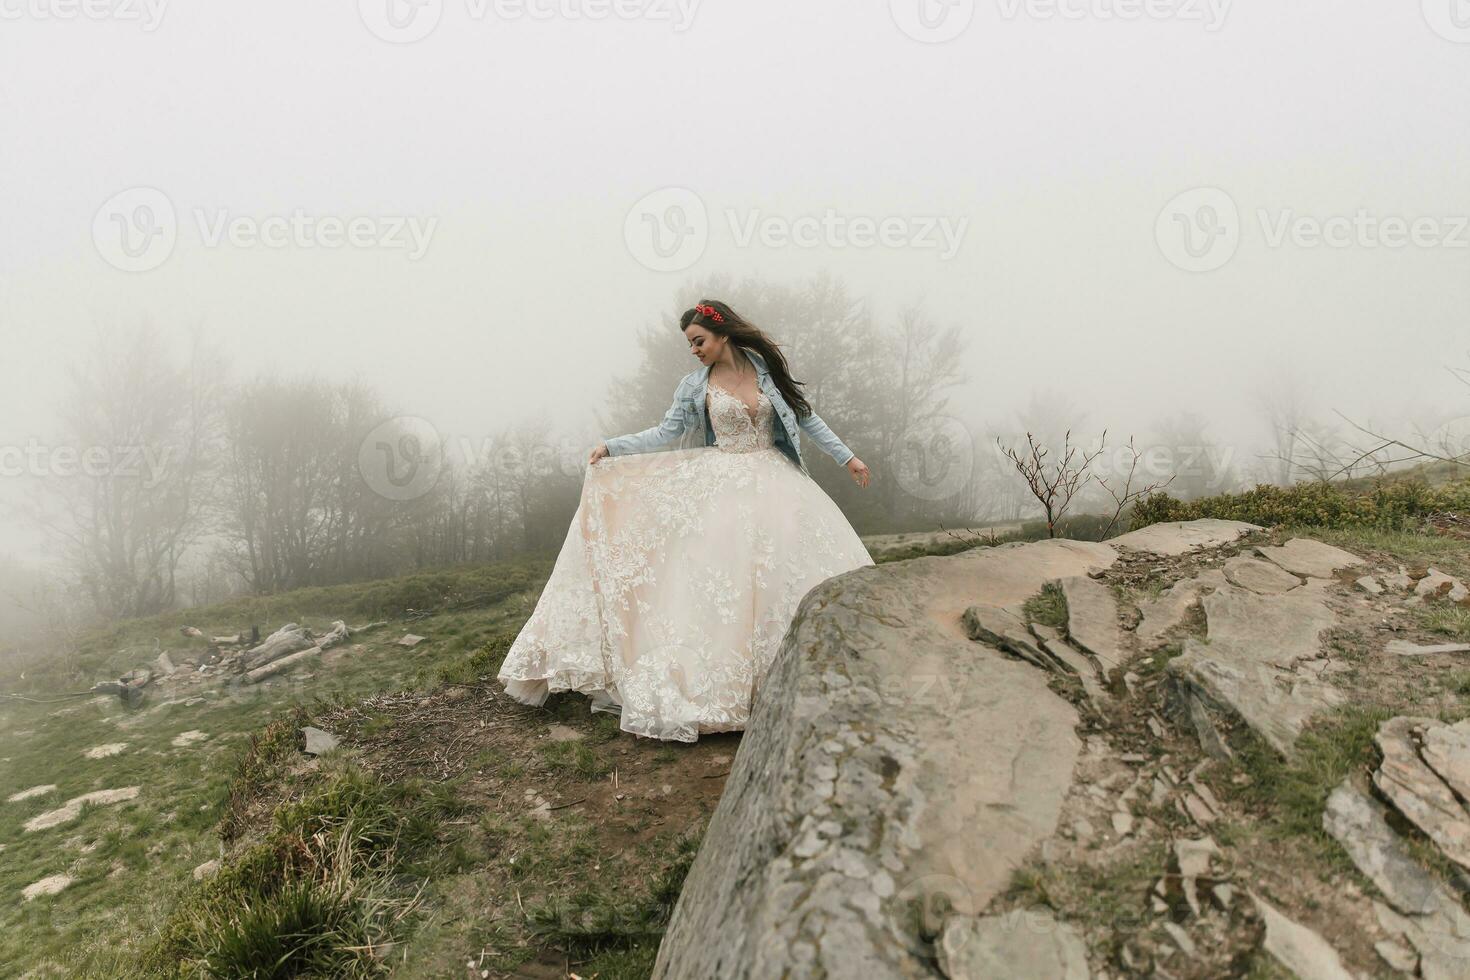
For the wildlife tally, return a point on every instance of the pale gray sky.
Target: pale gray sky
(1052, 135)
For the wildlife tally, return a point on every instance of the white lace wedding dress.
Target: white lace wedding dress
(679, 576)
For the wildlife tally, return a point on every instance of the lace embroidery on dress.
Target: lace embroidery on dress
(679, 577)
(735, 430)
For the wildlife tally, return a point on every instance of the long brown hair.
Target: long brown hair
(746, 335)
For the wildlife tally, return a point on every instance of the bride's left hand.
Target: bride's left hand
(859, 471)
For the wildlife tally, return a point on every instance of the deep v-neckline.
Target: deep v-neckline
(746, 408)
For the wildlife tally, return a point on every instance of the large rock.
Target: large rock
(1168, 609)
(1260, 577)
(1298, 948)
(1246, 668)
(890, 762)
(1175, 538)
(1311, 559)
(1417, 790)
(1026, 944)
(1092, 620)
(1423, 911)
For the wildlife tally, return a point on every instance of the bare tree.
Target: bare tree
(1054, 485)
(1120, 488)
(140, 433)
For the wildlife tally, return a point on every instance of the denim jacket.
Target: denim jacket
(687, 414)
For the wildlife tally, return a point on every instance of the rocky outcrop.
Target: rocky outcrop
(1174, 538)
(917, 741)
(893, 769)
(1249, 663)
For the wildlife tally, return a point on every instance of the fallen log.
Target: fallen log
(284, 641)
(338, 634)
(280, 666)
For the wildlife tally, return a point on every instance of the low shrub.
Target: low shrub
(1386, 504)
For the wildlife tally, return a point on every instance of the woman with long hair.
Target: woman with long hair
(682, 570)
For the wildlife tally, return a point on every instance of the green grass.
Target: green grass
(597, 920)
(130, 861)
(1048, 607)
(450, 595)
(322, 892)
(1290, 795)
(1112, 899)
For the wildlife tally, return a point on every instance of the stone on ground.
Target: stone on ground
(1164, 613)
(104, 751)
(1247, 668)
(32, 793)
(1423, 912)
(564, 733)
(1026, 944)
(1298, 948)
(1417, 791)
(185, 739)
(1175, 538)
(318, 741)
(53, 885)
(1310, 559)
(72, 808)
(1439, 585)
(1092, 620)
(1260, 577)
(1404, 648)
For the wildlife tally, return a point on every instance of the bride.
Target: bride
(682, 570)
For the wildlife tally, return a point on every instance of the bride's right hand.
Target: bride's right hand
(598, 453)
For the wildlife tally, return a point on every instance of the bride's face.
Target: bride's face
(703, 344)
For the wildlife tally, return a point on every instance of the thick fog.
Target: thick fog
(1128, 208)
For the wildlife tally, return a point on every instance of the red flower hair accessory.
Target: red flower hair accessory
(710, 312)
